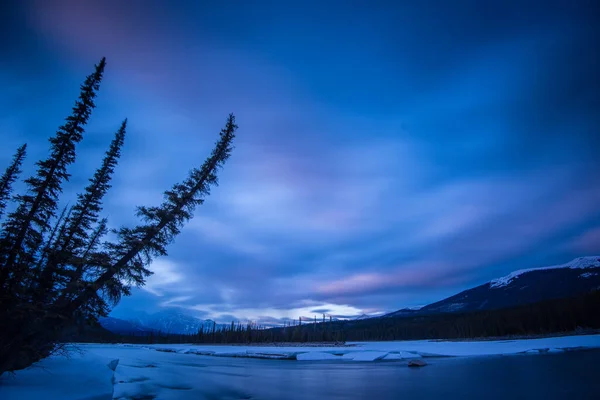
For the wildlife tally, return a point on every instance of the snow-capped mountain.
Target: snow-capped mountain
(580, 276)
(365, 316)
(168, 321)
(577, 277)
(173, 321)
(123, 327)
(578, 263)
(405, 312)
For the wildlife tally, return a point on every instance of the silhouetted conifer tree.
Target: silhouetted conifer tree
(10, 176)
(137, 246)
(59, 227)
(89, 204)
(66, 259)
(56, 273)
(22, 231)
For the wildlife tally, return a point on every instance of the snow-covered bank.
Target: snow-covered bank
(83, 375)
(396, 350)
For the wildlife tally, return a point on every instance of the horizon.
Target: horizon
(387, 158)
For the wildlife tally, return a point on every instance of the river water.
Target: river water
(571, 375)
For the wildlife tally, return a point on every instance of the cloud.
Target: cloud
(419, 275)
(227, 234)
(174, 301)
(321, 311)
(272, 315)
(165, 275)
(588, 242)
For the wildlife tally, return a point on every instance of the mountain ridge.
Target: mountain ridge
(166, 321)
(525, 286)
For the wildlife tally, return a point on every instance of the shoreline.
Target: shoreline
(584, 332)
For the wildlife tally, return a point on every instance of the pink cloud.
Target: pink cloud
(158, 60)
(421, 274)
(588, 242)
(530, 226)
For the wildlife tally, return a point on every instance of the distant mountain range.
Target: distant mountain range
(122, 326)
(168, 321)
(580, 276)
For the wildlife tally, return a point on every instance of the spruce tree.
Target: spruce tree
(90, 255)
(137, 246)
(10, 176)
(89, 204)
(22, 231)
(67, 255)
(57, 230)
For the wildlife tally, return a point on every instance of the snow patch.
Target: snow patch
(401, 355)
(365, 356)
(270, 356)
(316, 356)
(578, 263)
(588, 274)
(82, 375)
(454, 307)
(555, 351)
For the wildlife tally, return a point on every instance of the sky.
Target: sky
(389, 153)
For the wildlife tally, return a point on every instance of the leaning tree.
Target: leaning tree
(58, 268)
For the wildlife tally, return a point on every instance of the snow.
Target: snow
(588, 274)
(316, 356)
(555, 351)
(270, 356)
(133, 381)
(426, 348)
(401, 355)
(484, 348)
(455, 306)
(81, 376)
(103, 371)
(578, 263)
(365, 355)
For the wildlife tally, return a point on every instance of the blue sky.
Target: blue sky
(389, 153)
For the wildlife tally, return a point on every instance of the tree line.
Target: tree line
(58, 267)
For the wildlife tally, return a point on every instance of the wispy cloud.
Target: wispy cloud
(588, 242)
(165, 276)
(273, 315)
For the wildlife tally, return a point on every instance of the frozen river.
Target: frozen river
(552, 376)
(572, 375)
(143, 373)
